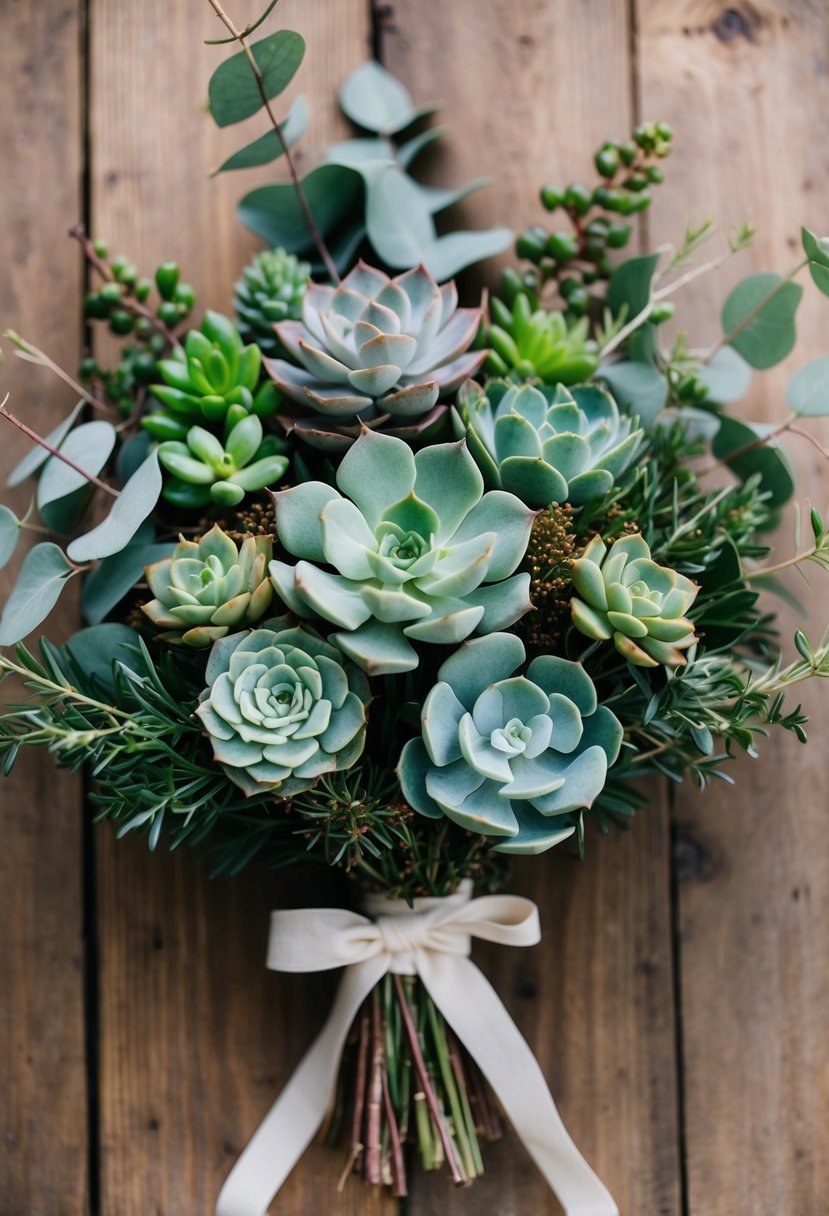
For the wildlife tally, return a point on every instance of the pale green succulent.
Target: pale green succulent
(375, 350)
(529, 342)
(509, 755)
(270, 290)
(206, 470)
(546, 445)
(417, 551)
(282, 707)
(624, 595)
(207, 587)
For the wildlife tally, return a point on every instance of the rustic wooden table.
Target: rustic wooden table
(679, 1001)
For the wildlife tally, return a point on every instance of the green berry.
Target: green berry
(562, 246)
(166, 279)
(101, 248)
(88, 368)
(578, 301)
(142, 290)
(618, 235)
(663, 311)
(120, 322)
(627, 153)
(636, 182)
(664, 131)
(94, 307)
(111, 293)
(577, 198)
(528, 246)
(551, 197)
(638, 202)
(167, 312)
(654, 174)
(144, 367)
(185, 296)
(607, 160)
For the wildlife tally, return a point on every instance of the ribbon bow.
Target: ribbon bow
(434, 942)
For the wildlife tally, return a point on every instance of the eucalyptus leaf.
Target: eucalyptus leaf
(334, 194)
(630, 284)
(808, 390)
(131, 454)
(94, 651)
(65, 514)
(758, 318)
(410, 150)
(726, 376)
(736, 443)
(399, 223)
(438, 199)
(356, 153)
(9, 535)
(38, 456)
(452, 253)
(815, 247)
(233, 92)
(43, 574)
(106, 585)
(268, 147)
(820, 277)
(374, 99)
(639, 388)
(135, 502)
(90, 447)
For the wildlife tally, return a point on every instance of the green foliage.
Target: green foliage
(42, 577)
(270, 290)
(206, 470)
(37, 457)
(526, 343)
(758, 318)
(270, 146)
(9, 535)
(747, 451)
(234, 93)
(808, 390)
(213, 372)
(638, 387)
(133, 505)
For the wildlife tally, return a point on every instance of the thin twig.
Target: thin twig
(32, 354)
(127, 302)
(316, 235)
(44, 443)
(398, 1165)
(373, 1171)
(359, 1102)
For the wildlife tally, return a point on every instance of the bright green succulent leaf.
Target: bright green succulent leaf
(115, 576)
(808, 390)
(815, 247)
(269, 147)
(333, 192)
(233, 92)
(767, 459)
(820, 277)
(758, 319)
(38, 456)
(726, 376)
(94, 650)
(630, 284)
(399, 223)
(37, 590)
(135, 502)
(639, 389)
(90, 447)
(374, 99)
(9, 535)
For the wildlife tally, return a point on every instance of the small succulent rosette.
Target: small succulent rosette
(417, 551)
(270, 290)
(282, 707)
(205, 469)
(530, 343)
(211, 372)
(546, 445)
(507, 754)
(375, 350)
(625, 595)
(207, 587)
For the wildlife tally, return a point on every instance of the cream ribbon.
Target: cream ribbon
(433, 940)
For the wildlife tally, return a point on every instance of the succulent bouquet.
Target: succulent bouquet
(400, 587)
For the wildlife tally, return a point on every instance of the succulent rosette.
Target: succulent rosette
(508, 754)
(534, 343)
(546, 445)
(205, 470)
(211, 372)
(282, 707)
(270, 290)
(207, 587)
(375, 350)
(625, 595)
(417, 551)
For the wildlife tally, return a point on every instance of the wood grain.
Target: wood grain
(196, 1037)
(43, 1131)
(746, 89)
(531, 89)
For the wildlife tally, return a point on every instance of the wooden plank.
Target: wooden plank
(43, 1145)
(746, 90)
(531, 89)
(196, 1037)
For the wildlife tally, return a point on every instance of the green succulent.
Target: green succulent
(375, 351)
(624, 595)
(530, 343)
(282, 707)
(270, 290)
(546, 445)
(418, 552)
(207, 587)
(509, 754)
(206, 470)
(213, 371)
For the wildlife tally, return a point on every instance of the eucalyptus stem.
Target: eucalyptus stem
(32, 354)
(44, 443)
(759, 442)
(240, 36)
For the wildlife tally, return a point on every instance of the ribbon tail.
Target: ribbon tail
(293, 1120)
(481, 1022)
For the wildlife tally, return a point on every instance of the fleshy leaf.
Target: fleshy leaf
(42, 577)
(135, 502)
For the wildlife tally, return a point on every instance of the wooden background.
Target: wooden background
(679, 1001)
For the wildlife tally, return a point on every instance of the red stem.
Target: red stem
(44, 443)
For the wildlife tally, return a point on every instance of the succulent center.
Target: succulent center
(512, 738)
(641, 590)
(402, 549)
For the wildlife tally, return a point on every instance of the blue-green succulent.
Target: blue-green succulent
(416, 551)
(625, 595)
(204, 469)
(508, 753)
(546, 444)
(282, 707)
